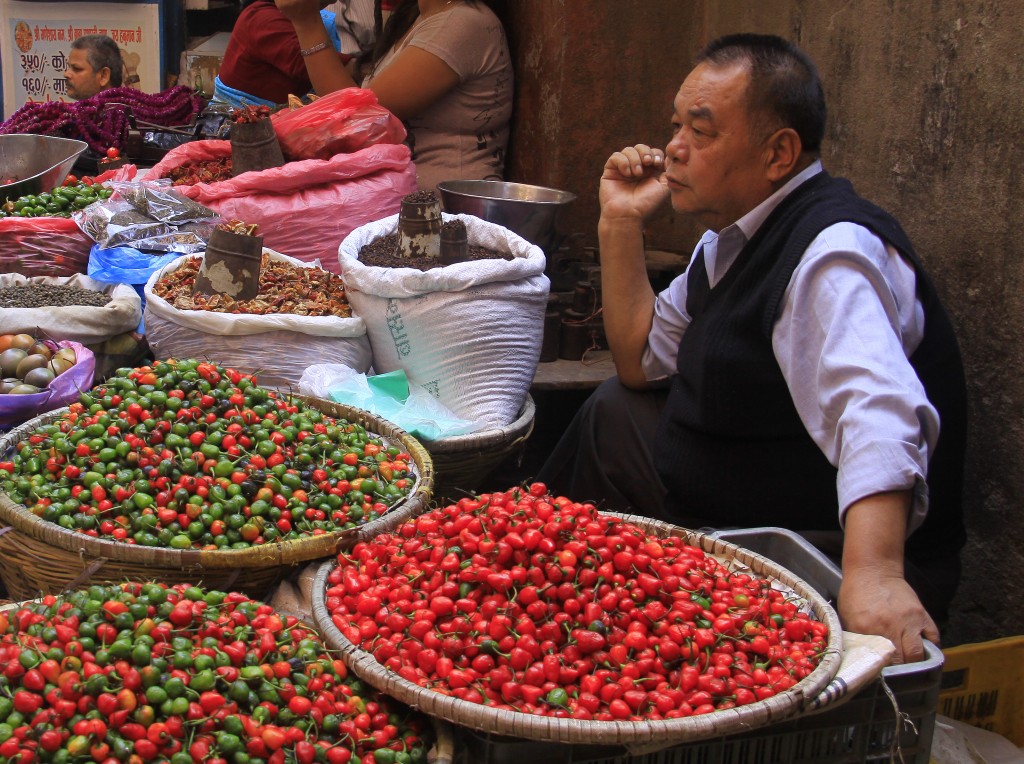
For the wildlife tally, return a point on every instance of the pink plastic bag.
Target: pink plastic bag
(304, 209)
(338, 123)
(193, 151)
(62, 391)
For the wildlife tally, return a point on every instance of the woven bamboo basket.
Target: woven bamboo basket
(463, 462)
(37, 556)
(646, 735)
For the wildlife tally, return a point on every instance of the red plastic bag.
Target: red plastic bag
(43, 247)
(62, 391)
(338, 123)
(304, 209)
(124, 172)
(49, 246)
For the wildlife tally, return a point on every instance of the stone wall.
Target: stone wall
(925, 117)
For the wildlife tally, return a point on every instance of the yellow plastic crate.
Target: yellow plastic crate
(983, 685)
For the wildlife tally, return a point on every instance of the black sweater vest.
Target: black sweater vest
(731, 448)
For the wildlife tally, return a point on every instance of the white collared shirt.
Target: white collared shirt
(850, 319)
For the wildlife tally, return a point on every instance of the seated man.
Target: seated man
(813, 378)
(94, 64)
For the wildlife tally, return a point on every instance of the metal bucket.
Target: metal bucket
(254, 147)
(537, 213)
(231, 265)
(38, 163)
(454, 242)
(419, 227)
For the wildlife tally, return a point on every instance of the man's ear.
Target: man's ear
(103, 75)
(782, 153)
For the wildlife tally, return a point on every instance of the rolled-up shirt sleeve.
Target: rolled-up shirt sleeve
(670, 321)
(849, 323)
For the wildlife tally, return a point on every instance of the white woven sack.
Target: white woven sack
(85, 324)
(469, 333)
(277, 348)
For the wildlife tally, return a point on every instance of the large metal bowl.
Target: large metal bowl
(38, 163)
(536, 213)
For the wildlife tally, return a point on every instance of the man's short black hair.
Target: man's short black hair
(785, 90)
(101, 51)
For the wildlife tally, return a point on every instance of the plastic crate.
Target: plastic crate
(864, 728)
(793, 552)
(983, 685)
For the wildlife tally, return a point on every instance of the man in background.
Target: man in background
(94, 64)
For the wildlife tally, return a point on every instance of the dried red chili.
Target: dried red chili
(250, 113)
(284, 288)
(201, 171)
(238, 227)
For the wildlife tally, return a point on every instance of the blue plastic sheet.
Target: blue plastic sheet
(126, 265)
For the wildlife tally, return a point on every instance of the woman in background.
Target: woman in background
(442, 67)
(262, 64)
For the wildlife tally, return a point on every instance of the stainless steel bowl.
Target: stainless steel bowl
(538, 214)
(38, 162)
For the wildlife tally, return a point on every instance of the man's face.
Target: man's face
(715, 170)
(83, 80)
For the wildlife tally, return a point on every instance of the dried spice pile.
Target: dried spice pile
(284, 288)
(386, 253)
(239, 228)
(250, 113)
(50, 295)
(201, 171)
(420, 197)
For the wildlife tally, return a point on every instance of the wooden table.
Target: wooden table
(595, 368)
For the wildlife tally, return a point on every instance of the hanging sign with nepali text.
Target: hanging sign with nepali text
(37, 37)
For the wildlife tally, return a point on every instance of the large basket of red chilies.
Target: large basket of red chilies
(135, 672)
(186, 471)
(522, 614)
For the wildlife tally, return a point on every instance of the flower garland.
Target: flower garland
(101, 120)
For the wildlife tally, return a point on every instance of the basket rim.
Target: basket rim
(271, 554)
(485, 438)
(661, 733)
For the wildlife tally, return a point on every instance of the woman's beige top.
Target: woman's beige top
(464, 134)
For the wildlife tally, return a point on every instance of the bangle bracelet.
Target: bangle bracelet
(315, 49)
